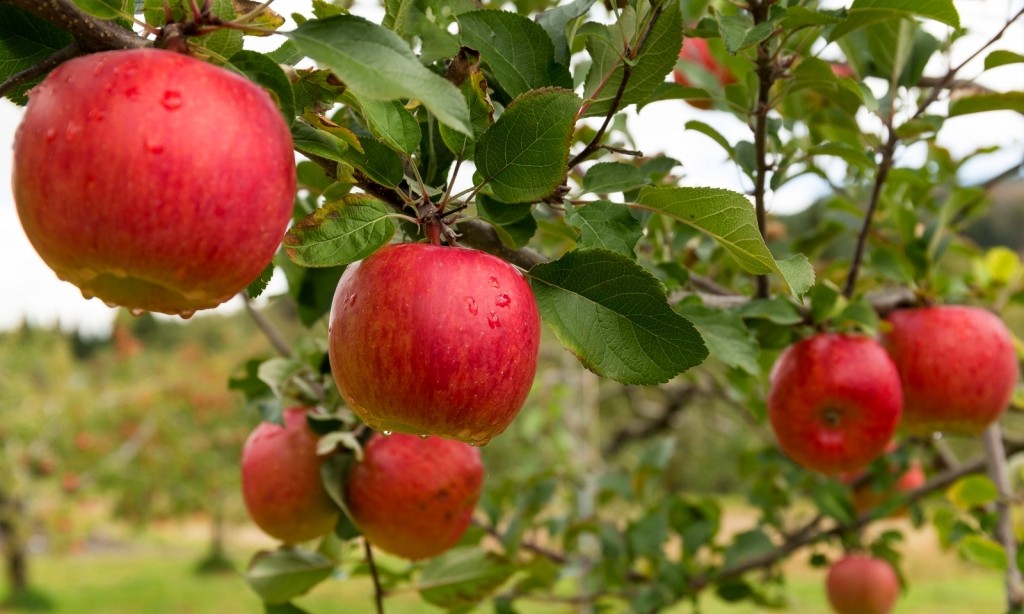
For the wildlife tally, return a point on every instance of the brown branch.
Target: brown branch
(888, 151)
(765, 78)
(378, 591)
(91, 34)
(675, 401)
(995, 456)
(268, 330)
(39, 69)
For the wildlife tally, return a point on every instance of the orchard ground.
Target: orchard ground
(119, 571)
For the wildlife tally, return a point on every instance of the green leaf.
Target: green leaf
(309, 140)
(728, 217)
(377, 64)
(340, 232)
(746, 546)
(614, 316)
(282, 608)
(391, 123)
(983, 551)
(312, 289)
(378, 161)
(268, 74)
(801, 17)
(972, 491)
(610, 177)
(979, 103)
(523, 155)
(556, 20)
(25, 40)
(739, 32)
(462, 577)
(464, 71)
(514, 224)
(516, 48)
(725, 335)
(776, 310)
(1001, 57)
(258, 285)
(657, 58)
(607, 225)
(711, 133)
(285, 573)
(106, 9)
(865, 12)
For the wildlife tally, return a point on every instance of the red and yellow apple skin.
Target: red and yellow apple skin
(414, 497)
(281, 482)
(434, 340)
(835, 401)
(861, 584)
(958, 368)
(153, 180)
(697, 52)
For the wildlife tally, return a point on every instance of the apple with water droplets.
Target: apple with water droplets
(957, 364)
(862, 584)
(153, 180)
(835, 401)
(281, 484)
(414, 497)
(434, 340)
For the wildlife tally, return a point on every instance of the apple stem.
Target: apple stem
(998, 471)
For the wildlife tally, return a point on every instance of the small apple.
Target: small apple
(434, 340)
(696, 55)
(281, 482)
(834, 402)
(414, 497)
(958, 368)
(861, 584)
(153, 180)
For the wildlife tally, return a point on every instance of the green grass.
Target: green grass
(161, 579)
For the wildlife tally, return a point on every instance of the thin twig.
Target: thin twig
(884, 166)
(91, 34)
(268, 330)
(41, 68)
(998, 471)
(765, 78)
(378, 591)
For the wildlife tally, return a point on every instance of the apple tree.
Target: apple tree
(510, 130)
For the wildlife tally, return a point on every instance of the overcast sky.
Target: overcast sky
(30, 290)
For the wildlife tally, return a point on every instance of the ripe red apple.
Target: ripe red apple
(414, 497)
(861, 584)
(958, 368)
(834, 402)
(281, 481)
(153, 180)
(696, 53)
(434, 340)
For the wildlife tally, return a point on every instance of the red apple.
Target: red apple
(696, 53)
(281, 481)
(834, 402)
(414, 497)
(843, 71)
(434, 340)
(958, 367)
(861, 584)
(153, 180)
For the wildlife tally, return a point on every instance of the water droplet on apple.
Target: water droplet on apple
(502, 300)
(188, 313)
(424, 436)
(493, 321)
(99, 66)
(135, 311)
(153, 145)
(132, 93)
(172, 100)
(472, 443)
(96, 115)
(110, 304)
(494, 281)
(386, 433)
(471, 304)
(85, 293)
(72, 131)
(51, 133)
(351, 300)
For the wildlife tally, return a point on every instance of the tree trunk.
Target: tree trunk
(15, 556)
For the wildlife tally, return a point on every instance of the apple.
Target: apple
(414, 497)
(434, 340)
(843, 71)
(834, 402)
(281, 482)
(867, 497)
(861, 584)
(153, 180)
(697, 53)
(957, 364)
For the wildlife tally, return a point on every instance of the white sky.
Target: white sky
(30, 290)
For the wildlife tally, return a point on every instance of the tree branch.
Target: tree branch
(268, 330)
(765, 78)
(91, 34)
(995, 456)
(378, 591)
(39, 69)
